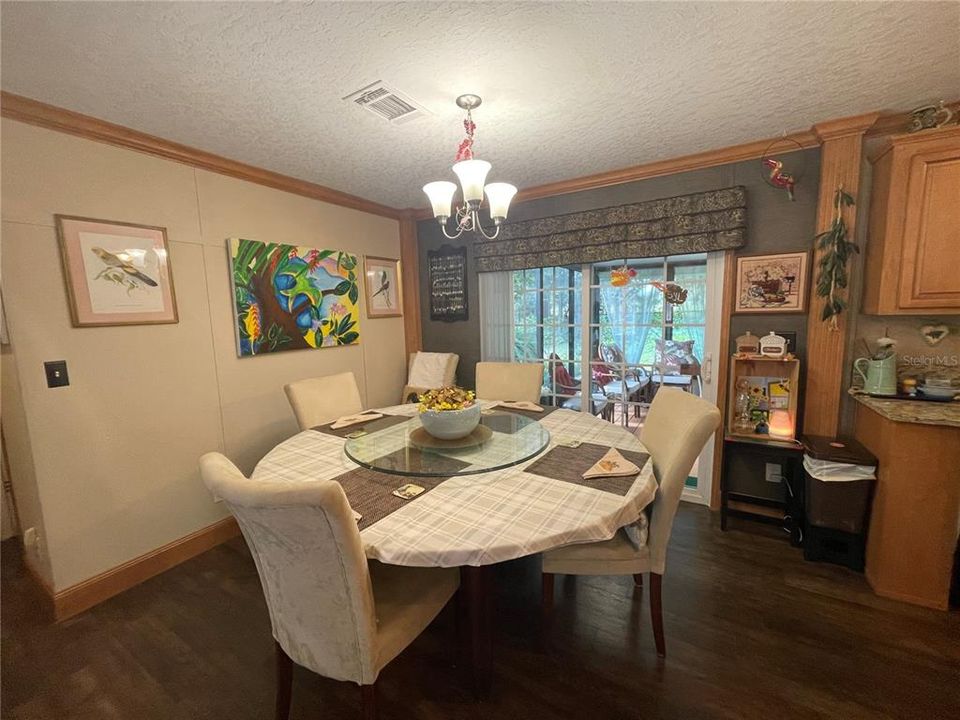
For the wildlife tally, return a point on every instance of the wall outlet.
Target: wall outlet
(31, 540)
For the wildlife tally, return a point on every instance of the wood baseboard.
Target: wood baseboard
(83, 596)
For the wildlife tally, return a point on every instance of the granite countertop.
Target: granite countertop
(922, 412)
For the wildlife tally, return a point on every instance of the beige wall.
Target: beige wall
(115, 453)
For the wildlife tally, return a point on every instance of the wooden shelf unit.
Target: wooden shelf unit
(759, 366)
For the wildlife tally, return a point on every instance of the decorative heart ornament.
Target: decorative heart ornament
(933, 334)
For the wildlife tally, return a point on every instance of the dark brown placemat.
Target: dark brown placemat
(372, 426)
(568, 464)
(413, 460)
(370, 492)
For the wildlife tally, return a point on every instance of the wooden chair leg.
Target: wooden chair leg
(638, 580)
(284, 682)
(547, 597)
(656, 612)
(368, 699)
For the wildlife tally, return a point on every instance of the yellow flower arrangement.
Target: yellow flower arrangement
(448, 398)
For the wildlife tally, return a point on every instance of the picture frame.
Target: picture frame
(775, 283)
(116, 273)
(292, 297)
(382, 287)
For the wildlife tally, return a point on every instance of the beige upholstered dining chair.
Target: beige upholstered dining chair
(509, 381)
(321, 399)
(428, 371)
(676, 429)
(330, 610)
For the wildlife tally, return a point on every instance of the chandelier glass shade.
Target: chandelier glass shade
(472, 174)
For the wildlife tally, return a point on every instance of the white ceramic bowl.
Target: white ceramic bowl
(451, 424)
(938, 392)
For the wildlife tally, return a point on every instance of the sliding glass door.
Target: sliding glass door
(607, 333)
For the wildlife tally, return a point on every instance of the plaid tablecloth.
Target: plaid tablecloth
(485, 518)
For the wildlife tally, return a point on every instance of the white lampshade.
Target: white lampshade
(472, 174)
(441, 196)
(499, 196)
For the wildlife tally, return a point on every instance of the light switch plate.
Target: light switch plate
(56, 371)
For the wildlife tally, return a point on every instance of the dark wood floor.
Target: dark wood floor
(752, 632)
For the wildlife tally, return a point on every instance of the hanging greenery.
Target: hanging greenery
(836, 251)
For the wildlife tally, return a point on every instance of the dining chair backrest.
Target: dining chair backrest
(509, 381)
(319, 400)
(312, 567)
(677, 427)
(429, 370)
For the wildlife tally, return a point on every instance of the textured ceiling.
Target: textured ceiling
(569, 89)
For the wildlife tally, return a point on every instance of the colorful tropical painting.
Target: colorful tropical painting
(288, 297)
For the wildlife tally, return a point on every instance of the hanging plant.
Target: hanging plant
(836, 251)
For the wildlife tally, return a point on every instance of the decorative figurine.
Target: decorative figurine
(622, 276)
(672, 293)
(778, 177)
(929, 116)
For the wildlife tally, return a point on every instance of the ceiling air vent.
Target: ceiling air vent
(388, 104)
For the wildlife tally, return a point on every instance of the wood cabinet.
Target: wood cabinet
(914, 520)
(913, 245)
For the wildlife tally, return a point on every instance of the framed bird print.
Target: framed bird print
(382, 281)
(116, 273)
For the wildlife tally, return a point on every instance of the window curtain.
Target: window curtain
(629, 310)
(700, 222)
(695, 281)
(496, 316)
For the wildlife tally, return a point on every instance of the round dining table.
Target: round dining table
(511, 489)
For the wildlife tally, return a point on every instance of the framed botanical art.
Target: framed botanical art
(289, 297)
(772, 283)
(382, 281)
(116, 273)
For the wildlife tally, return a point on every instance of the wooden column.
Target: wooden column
(410, 267)
(840, 157)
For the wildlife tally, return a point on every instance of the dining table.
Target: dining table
(514, 487)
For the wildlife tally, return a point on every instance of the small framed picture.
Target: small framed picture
(382, 283)
(116, 273)
(772, 283)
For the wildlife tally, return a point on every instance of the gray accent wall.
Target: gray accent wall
(774, 224)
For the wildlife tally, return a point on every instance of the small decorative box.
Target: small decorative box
(748, 344)
(772, 345)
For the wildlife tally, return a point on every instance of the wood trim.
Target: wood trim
(723, 367)
(410, 262)
(840, 158)
(82, 596)
(843, 127)
(33, 112)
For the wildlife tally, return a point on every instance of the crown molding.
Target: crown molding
(842, 127)
(34, 112)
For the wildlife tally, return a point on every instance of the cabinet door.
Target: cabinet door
(930, 270)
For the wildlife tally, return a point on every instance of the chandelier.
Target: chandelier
(472, 174)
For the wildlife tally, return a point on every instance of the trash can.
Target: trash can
(839, 477)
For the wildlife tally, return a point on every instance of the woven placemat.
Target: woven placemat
(372, 426)
(411, 460)
(370, 492)
(568, 464)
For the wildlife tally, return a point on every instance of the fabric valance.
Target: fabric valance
(714, 220)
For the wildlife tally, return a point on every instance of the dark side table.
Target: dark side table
(745, 491)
